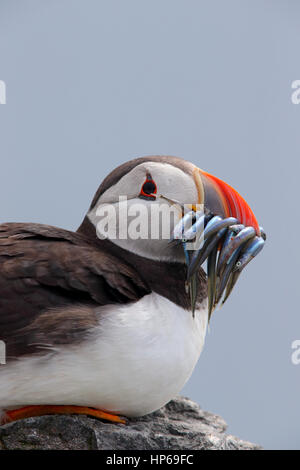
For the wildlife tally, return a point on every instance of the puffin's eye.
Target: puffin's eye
(148, 189)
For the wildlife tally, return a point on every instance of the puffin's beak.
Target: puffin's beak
(221, 199)
(230, 235)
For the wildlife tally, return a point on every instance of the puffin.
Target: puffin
(109, 321)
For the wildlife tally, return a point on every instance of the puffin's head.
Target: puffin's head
(146, 202)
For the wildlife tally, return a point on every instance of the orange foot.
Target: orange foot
(40, 410)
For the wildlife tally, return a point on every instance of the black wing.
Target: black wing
(46, 271)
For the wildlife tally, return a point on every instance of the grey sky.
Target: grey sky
(93, 83)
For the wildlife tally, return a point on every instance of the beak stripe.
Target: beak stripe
(199, 186)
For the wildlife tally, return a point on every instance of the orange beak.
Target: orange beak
(222, 199)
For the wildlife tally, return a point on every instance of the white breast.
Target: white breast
(140, 357)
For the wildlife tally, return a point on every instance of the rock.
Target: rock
(181, 424)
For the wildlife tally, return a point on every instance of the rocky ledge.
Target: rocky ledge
(181, 424)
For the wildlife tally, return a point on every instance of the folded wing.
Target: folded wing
(51, 278)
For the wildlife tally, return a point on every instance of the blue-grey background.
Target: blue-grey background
(93, 83)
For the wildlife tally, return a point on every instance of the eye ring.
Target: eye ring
(148, 189)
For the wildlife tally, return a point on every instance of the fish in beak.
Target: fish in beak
(224, 232)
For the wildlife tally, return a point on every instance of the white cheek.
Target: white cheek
(140, 226)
